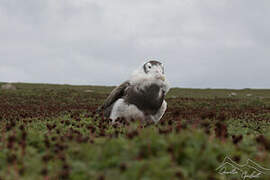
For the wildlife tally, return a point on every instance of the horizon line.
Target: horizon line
(173, 87)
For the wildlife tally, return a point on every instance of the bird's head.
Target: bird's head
(150, 72)
(154, 69)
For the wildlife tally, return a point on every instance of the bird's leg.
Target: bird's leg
(160, 113)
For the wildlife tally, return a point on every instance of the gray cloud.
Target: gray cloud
(210, 43)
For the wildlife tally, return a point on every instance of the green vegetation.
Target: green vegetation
(54, 132)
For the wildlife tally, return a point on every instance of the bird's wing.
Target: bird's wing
(117, 93)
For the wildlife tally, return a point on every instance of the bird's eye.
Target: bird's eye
(149, 67)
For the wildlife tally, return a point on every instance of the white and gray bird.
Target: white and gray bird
(141, 96)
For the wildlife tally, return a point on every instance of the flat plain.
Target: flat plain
(55, 132)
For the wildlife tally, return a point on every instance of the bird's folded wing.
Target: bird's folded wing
(117, 93)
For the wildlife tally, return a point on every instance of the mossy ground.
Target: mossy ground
(54, 132)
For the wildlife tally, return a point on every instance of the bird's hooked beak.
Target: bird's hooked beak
(161, 77)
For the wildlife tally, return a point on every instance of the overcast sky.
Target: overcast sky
(202, 43)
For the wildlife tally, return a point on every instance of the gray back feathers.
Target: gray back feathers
(147, 100)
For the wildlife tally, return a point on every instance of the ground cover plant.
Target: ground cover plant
(55, 132)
